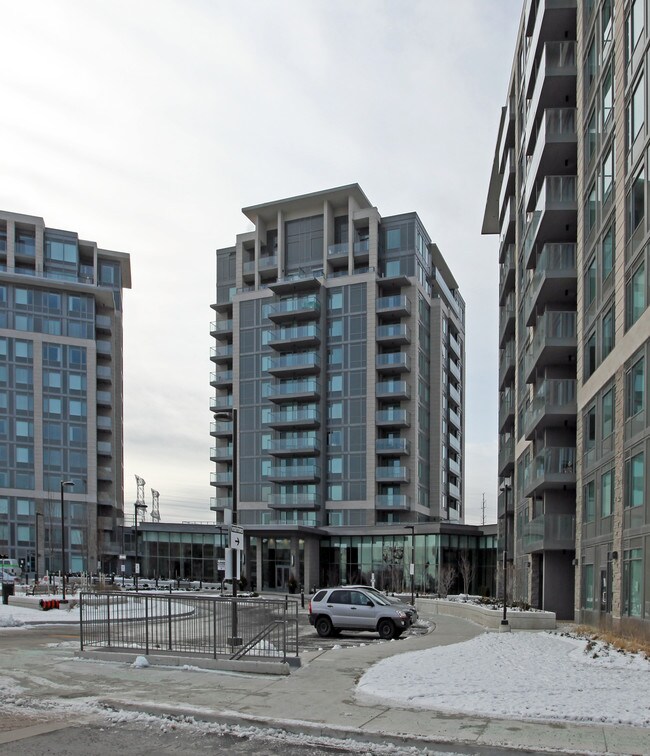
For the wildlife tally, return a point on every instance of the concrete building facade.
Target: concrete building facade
(339, 338)
(60, 396)
(568, 196)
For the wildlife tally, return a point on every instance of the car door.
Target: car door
(362, 611)
(338, 605)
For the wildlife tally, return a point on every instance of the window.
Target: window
(335, 300)
(608, 332)
(24, 429)
(24, 455)
(335, 492)
(590, 65)
(636, 112)
(61, 251)
(607, 493)
(632, 582)
(590, 355)
(52, 379)
(22, 350)
(590, 283)
(335, 465)
(634, 27)
(607, 99)
(335, 384)
(607, 253)
(52, 405)
(635, 296)
(334, 438)
(635, 474)
(335, 356)
(335, 328)
(590, 210)
(607, 413)
(588, 586)
(590, 138)
(635, 389)
(77, 408)
(335, 410)
(607, 21)
(608, 173)
(24, 402)
(589, 496)
(24, 297)
(393, 238)
(24, 376)
(636, 204)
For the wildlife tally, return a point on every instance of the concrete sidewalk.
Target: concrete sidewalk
(318, 698)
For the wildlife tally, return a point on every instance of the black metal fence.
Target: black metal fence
(192, 625)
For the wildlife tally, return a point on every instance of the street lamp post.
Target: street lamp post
(38, 514)
(64, 483)
(412, 564)
(231, 414)
(504, 622)
(136, 567)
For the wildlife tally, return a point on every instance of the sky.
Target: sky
(146, 125)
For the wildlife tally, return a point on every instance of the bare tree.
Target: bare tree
(446, 576)
(467, 570)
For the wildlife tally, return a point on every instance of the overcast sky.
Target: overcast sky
(146, 125)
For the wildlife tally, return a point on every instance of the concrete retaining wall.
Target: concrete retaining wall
(489, 618)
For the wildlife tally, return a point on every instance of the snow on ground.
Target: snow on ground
(15, 616)
(542, 676)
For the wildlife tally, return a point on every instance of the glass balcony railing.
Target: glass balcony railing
(308, 415)
(393, 417)
(338, 250)
(399, 304)
(550, 532)
(392, 473)
(294, 445)
(393, 360)
(392, 501)
(295, 472)
(392, 446)
(295, 360)
(292, 306)
(396, 331)
(393, 388)
(291, 388)
(296, 500)
(295, 333)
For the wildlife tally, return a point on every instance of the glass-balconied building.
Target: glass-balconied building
(60, 396)
(568, 199)
(339, 337)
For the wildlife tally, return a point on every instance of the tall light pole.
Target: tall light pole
(36, 516)
(504, 622)
(64, 483)
(412, 564)
(231, 414)
(136, 567)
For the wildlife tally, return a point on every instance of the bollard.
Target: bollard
(302, 598)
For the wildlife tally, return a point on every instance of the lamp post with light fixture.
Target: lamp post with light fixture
(136, 567)
(505, 626)
(64, 483)
(412, 564)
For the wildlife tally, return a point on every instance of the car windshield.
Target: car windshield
(380, 599)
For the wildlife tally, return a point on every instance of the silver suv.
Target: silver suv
(408, 608)
(332, 610)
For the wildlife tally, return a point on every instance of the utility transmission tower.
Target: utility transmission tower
(483, 509)
(140, 499)
(155, 506)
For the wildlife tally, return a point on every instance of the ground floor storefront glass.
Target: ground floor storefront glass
(182, 556)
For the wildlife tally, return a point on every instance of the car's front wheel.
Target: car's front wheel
(386, 629)
(324, 626)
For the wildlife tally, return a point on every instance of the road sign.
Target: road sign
(236, 537)
(221, 565)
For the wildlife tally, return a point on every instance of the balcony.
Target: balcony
(507, 363)
(105, 448)
(553, 80)
(554, 406)
(105, 398)
(219, 503)
(222, 378)
(392, 501)
(507, 178)
(455, 442)
(393, 418)
(104, 348)
(454, 419)
(392, 446)
(293, 337)
(248, 268)
(395, 362)
(501, 504)
(302, 418)
(506, 409)
(454, 394)
(554, 217)
(221, 354)
(508, 222)
(507, 320)
(506, 457)
(104, 423)
(104, 473)
(508, 132)
(290, 391)
(295, 362)
(103, 323)
(338, 251)
(104, 373)
(555, 280)
(298, 281)
(395, 305)
(285, 447)
(221, 453)
(305, 472)
(552, 468)
(453, 467)
(361, 250)
(395, 333)
(218, 403)
(392, 390)
(455, 370)
(308, 500)
(221, 329)
(453, 491)
(455, 346)
(221, 479)
(221, 428)
(554, 343)
(298, 308)
(554, 141)
(507, 273)
(550, 532)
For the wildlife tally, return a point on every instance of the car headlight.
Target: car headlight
(401, 615)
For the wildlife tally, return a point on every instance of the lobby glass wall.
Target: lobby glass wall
(181, 556)
(359, 559)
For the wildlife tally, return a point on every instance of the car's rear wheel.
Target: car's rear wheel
(324, 626)
(386, 629)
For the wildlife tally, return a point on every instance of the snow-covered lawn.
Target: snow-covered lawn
(543, 676)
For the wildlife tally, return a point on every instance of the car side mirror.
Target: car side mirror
(370, 603)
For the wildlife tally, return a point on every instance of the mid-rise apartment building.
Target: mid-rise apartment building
(60, 397)
(568, 198)
(340, 342)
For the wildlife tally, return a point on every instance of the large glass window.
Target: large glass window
(636, 112)
(590, 210)
(635, 389)
(632, 582)
(590, 65)
(634, 27)
(607, 493)
(608, 173)
(590, 283)
(608, 413)
(608, 332)
(608, 94)
(590, 138)
(635, 473)
(588, 586)
(608, 253)
(590, 355)
(635, 295)
(589, 495)
(636, 203)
